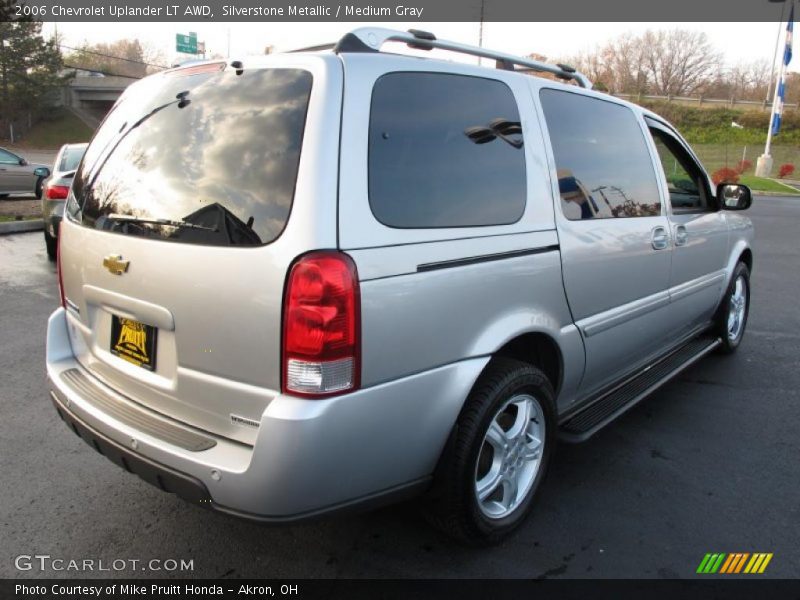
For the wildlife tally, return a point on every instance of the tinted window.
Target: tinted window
(71, 157)
(686, 191)
(604, 166)
(198, 156)
(445, 151)
(8, 158)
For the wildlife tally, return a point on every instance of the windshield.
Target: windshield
(215, 147)
(71, 157)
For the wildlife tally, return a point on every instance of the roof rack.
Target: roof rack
(317, 48)
(370, 39)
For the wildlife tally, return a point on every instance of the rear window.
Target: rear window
(445, 151)
(71, 157)
(203, 156)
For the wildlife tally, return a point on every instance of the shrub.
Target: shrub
(785, 170)
(743, 166)
(725, 175)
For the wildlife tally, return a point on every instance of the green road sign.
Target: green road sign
(186, 43)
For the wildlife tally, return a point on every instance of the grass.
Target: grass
(6, 218)
(716, 156)
(64, 127)
(761, 184)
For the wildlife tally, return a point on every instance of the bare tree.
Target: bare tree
(678, 62)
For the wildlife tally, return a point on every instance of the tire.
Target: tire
(472, 456)
(731, 318)
(52, 245)
(3, 196)
(38, 190)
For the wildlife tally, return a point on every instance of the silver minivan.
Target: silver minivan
(305, 282)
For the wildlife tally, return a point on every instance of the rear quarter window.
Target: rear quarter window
(445, 151)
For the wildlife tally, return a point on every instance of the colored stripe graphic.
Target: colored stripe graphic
(730, 564)
(741, 562)
(734, 563)
(710, 563)
(764, 564)
(727, 564)
(703, 563)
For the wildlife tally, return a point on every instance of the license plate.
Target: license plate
(134, 342)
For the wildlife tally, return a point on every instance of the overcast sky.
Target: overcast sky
(737, 41)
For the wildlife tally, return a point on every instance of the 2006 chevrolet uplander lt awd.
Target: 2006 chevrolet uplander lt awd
(304, 282)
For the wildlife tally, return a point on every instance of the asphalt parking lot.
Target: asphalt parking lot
(710, 463)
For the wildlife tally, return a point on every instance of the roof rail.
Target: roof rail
(371, 39)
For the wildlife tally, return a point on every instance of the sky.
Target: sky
(739, 42)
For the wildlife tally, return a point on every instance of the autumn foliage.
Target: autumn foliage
(785, 170)
(726, 175)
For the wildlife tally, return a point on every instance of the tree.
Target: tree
(129, 58)
(679, 62)
(29, 67)
(669, 63)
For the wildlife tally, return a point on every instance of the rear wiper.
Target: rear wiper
(168, 222)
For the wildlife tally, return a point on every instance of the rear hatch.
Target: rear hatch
(177, 237)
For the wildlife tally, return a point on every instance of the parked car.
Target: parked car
(56, 189)
(281, 300)
(18, 176)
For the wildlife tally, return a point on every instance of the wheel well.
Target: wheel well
(747, 258)
(539, 350)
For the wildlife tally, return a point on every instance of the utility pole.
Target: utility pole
(6, 109)
(480, 32)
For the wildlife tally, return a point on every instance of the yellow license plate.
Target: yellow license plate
(134, 342)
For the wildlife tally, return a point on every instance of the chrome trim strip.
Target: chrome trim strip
(695, 285)
(616, 316)
(471, 260)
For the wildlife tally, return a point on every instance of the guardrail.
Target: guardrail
(701, 100)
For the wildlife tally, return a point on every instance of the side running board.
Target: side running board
(582, 425)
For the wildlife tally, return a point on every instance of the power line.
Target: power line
(131, 60)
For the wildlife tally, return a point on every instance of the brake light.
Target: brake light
(321, 326)
(57, 192)
(58, 270)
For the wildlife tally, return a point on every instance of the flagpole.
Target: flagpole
(781, 75)
(764, 162)
(775, 52)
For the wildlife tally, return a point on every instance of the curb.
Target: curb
(786, 194)
(20, 226)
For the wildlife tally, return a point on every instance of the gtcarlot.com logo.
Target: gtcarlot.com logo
(46, 562)
(733, 563)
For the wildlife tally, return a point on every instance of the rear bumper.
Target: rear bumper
(52, 213)
(310, 456)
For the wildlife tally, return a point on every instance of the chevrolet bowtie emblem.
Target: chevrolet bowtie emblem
(115, 264)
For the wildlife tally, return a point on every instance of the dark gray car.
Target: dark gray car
(56, 190)
(18, 176)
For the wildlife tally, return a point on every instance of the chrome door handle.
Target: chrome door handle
(660, 238)
(681, 235)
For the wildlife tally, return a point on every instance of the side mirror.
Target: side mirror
(732, 196)
(22, 162)
(41, 172)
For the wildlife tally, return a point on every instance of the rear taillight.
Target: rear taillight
(321, 326)
(57, 192)
(60, 274)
